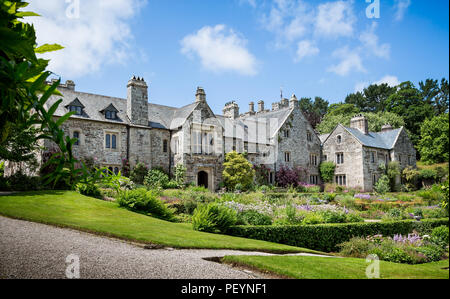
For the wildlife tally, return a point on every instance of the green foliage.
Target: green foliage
(146, 202)
(213, 218)
(445, 193)
(411, 178)
(326, 237)
(372, 98)
(440, 236)
(313, 111)
(20, 182)
(327, 170)
(180, 175)
(91, 190)
(252, 217)
(393, 172)
(138, 173)
(237, 170)
(383, 185)
(156, 179)
(2, 168)
(24, 93)
(343, 113)
(434, 139)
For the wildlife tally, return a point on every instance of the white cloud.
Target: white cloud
(220, 49)
(335, 19)
(99, 35)
(370, 41)
(392, 81)
(349, 61)
(401, 6)
(306, 48)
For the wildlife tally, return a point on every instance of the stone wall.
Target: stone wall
(352, 167)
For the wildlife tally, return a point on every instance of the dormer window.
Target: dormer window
(110, 112)
(77, 109)
(76, 106)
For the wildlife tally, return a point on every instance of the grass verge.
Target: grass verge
(72, 210)
(308, 267)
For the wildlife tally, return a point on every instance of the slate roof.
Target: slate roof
(383, 140)
(160, 116)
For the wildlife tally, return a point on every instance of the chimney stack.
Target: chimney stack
(200, 96)
(137, 101)
(231, 110)
(293, 102)
(251, 108)
(386, 128)
(261, 106)
(360, 122)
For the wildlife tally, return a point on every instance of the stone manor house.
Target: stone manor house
(112, 129)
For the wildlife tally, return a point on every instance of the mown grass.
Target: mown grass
(307, 267)
(70, 209)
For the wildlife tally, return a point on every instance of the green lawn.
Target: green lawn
(305, 267)
(70, 209)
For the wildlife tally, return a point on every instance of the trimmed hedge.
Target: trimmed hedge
(325, 237)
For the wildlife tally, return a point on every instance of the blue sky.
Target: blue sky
(243, 50)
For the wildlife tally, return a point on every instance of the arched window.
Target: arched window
(339, 139)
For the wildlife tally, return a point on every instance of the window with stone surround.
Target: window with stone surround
(372, 154)
(313, 159)
(339, 158)
(339, 139)
(286, 133)
(309, 136)
(165, 146)
(196, 142)
(111, 140)
(287, 157)
(341, 180)
(76, 135)
(314, 180)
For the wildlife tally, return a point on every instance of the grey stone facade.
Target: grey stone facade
(358, 153)
(113, 129)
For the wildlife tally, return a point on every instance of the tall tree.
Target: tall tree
(314, 111)
(409, 104)
(434, 139)
(372, 99)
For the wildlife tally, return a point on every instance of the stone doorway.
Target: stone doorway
(203, 179)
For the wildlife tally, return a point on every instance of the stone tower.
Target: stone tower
(137, 101)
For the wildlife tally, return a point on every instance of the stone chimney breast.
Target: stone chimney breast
(386, 128)
(200, 96)
(360, 122)
(261, 106)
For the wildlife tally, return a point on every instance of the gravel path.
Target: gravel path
(33, 250)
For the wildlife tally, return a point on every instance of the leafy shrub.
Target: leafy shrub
(353, 218)
(286, 177)
(91, 190)
(313, 218)
(237, 170)
(330, 197)
(383, 185)
(180, 175)
(189, 206)
(433, 253)
(428, 176)
(156, 178)
(440, 236)
(20, 182)
(327, 170)
(138, 173)
(333, 217)
(356, 247)
(172, 185)
(411, 178)
(213, 218)
(146, 202)
(393, 171)
(325, 237)
(252, 217)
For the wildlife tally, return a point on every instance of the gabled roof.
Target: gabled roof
(383, 140)
(110, 108)
(324, 137)
(76, 103)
